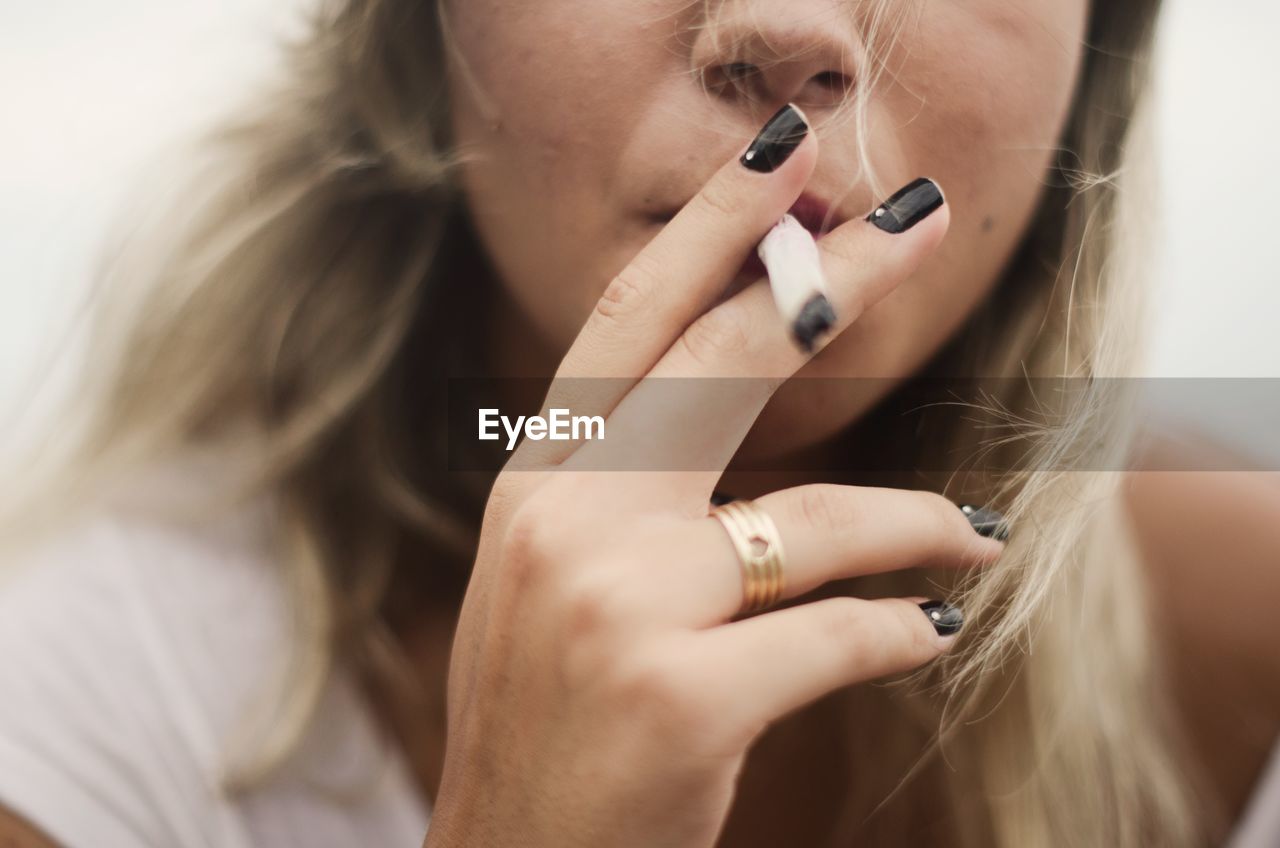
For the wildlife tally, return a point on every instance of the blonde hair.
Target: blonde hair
(305, 295)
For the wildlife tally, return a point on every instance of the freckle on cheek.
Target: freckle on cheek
(988, 223)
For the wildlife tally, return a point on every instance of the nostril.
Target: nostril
(732, 79)
(833, 79)
(827, 88)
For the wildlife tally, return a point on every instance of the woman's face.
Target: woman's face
(589, 128)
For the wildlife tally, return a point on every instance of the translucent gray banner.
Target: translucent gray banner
(930, 425)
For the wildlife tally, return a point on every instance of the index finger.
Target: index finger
(679, 274)
(693, 410)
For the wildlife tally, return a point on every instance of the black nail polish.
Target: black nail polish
(908, 206)
(945, 618)
(777, 140)
(987, 522)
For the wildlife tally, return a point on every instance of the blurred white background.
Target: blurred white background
(91, 91)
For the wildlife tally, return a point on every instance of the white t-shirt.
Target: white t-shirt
(135, 654)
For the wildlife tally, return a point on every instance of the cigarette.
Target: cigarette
(795, 277)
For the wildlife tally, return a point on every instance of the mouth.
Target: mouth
(813, 213)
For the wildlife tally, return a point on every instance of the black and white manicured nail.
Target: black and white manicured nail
(945, 618)
(777, 140)
(908, 206)
(987, 522)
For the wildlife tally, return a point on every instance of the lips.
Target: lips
(753, 267)
(814, 215)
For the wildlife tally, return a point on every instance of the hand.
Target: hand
(601, 691)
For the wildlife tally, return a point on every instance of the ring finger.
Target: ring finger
(827, 532)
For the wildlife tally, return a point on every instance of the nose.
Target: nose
(800, 51)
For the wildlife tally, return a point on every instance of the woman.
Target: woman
(483, 190)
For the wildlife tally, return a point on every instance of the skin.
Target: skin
(573, 177)
(1211, 541)
(567, 623)
(584, 183)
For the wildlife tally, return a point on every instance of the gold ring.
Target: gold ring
(759, 547)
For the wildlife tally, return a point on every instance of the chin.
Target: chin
(806, 413)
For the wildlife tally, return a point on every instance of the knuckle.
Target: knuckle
(844, 626)
(873, 639)
(720, 335)
(592, 603)
(531, 542)
(650, 683)
(719, 198)
(844, 622)
(825, 508)
(842, 252)
(629, 290)
(946, 519)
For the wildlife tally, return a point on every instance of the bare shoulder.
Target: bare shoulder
(1210, 539)
(18, 833)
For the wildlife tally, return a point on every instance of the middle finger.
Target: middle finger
(693, 409)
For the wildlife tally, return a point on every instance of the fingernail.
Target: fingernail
(987, 522)
(945, 618)
(908, 206)
(777, 140)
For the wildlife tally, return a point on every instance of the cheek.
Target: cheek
(554, 95)
(984, 122)
(525, 114)
(991, 115)
(546, 67)
(540, 110)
